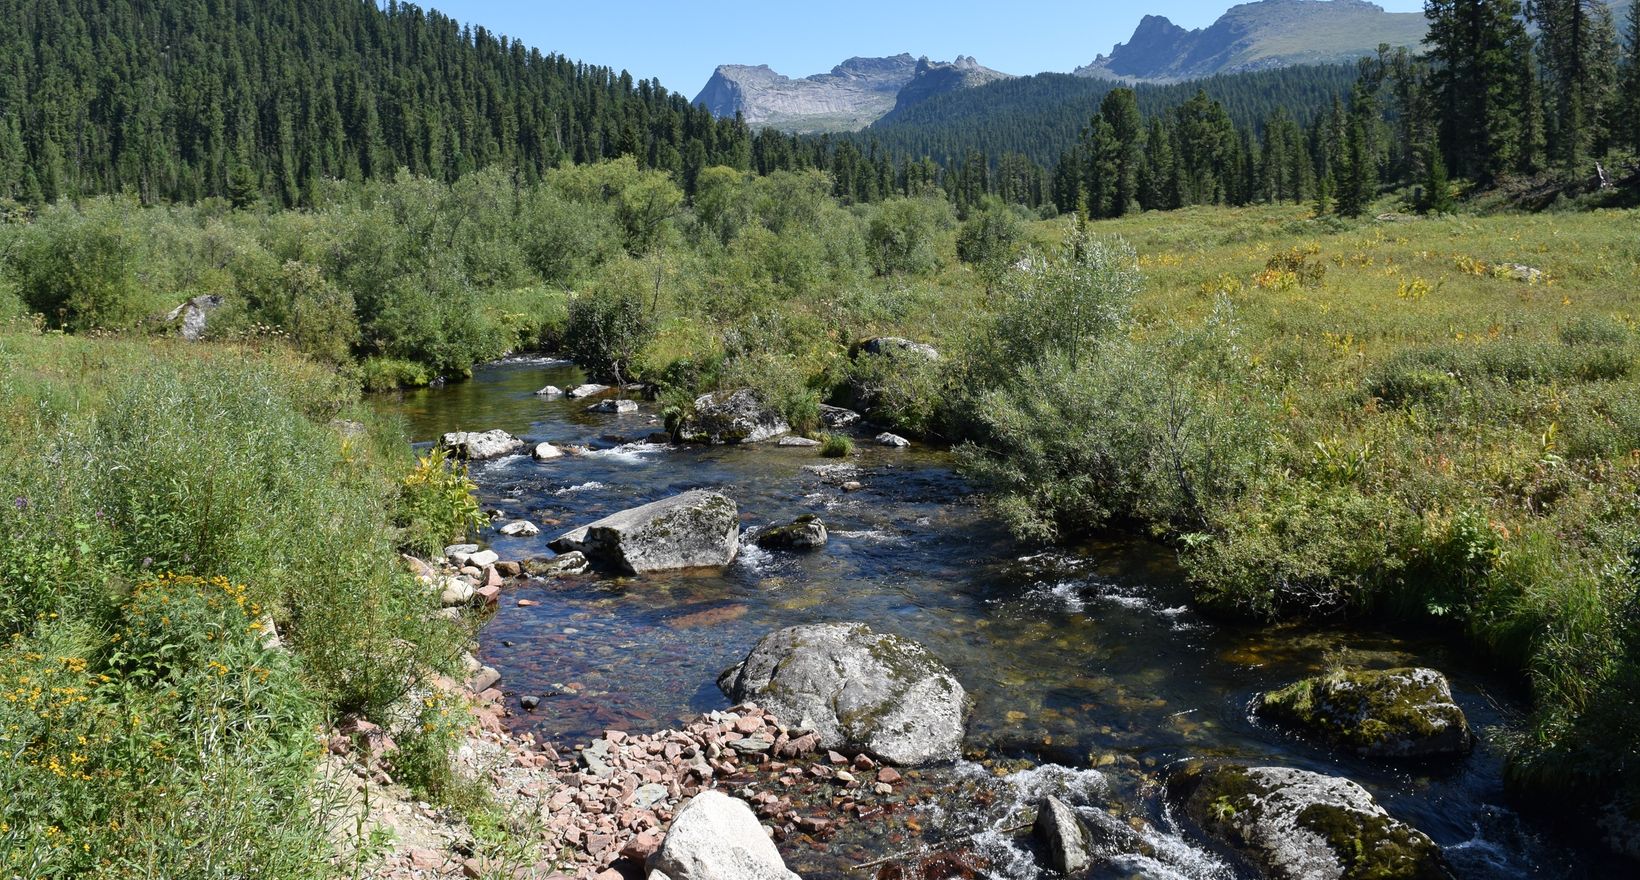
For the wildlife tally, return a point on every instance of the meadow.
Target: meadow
(1426, 420)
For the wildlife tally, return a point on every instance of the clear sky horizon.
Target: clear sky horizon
(682, 43)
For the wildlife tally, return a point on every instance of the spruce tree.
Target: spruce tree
(1437, 195)
(1482, 81)
(1577, 48)
(1120, 110)
(1627, 104)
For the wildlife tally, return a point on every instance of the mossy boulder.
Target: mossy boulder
(1390, 713)
(1298, 825)
(743, 416)
(807, 532)
(859, 690)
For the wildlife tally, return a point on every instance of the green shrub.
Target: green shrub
(437, 504)
(904, 235)
(79, 271)
(836, 446)
(388, 374)
(607, 329)
(900, 390)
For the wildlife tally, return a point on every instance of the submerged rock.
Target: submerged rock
(732, 417)
(807, 532)
(1060, 830)
(475, 446)
(550, 391)
(614, 406)
(717, 837)
(573, 562)
(858, 690)
(591, 389)
(694, 530)
(798, 441)
(1298, 825)
(1394, 713)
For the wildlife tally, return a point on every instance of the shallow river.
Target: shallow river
(1084, 658)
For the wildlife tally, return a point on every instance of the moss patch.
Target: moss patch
(1391, 713)
(1375, 847)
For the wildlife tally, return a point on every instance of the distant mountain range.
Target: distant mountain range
(853, 95)
(1258, 36)
(1261, 35)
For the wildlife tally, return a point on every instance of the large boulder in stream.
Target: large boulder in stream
(732, 417)
(717, 837)
(1391, 713)
(859, 690)
(1298, 825)
(475, 446)
(697, 529)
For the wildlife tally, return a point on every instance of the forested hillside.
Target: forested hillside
(180, 99)
(1042, 116)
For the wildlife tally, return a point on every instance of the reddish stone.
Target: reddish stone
(426, 859)
(489, 595)
(641, 847)
(527, 603)
(749, 724)
(888, 775)
(492, 578)
(836, 758)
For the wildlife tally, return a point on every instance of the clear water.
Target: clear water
(1078, 658)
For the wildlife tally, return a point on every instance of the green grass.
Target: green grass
(1427, 438)
(163, 503)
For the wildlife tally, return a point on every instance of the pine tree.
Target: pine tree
(1323, 195)
(1358, 172)
(1577, 47)
(1627, 103)
(1482, 82)
(244, 190)
(1437, 195)
(1120, 110)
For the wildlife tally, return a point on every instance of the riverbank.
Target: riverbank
(200, 561)
(1083, 661)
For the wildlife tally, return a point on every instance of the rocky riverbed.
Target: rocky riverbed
(1088, 676)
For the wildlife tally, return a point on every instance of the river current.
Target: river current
(1090, 670)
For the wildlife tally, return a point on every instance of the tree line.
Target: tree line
(178, 100)
(1489, 100)
(181, 100)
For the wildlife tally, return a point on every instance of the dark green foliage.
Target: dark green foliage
(79, 271)
(607, 328)
(178, 101)
(1482, 82)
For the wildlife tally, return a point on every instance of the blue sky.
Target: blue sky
(680, 43)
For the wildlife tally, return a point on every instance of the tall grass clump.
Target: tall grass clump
(166, 513)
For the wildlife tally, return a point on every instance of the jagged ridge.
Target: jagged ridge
(1258, 36)
(853, 95)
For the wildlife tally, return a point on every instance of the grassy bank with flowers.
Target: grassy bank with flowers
(168, 508)
(1432, 421)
